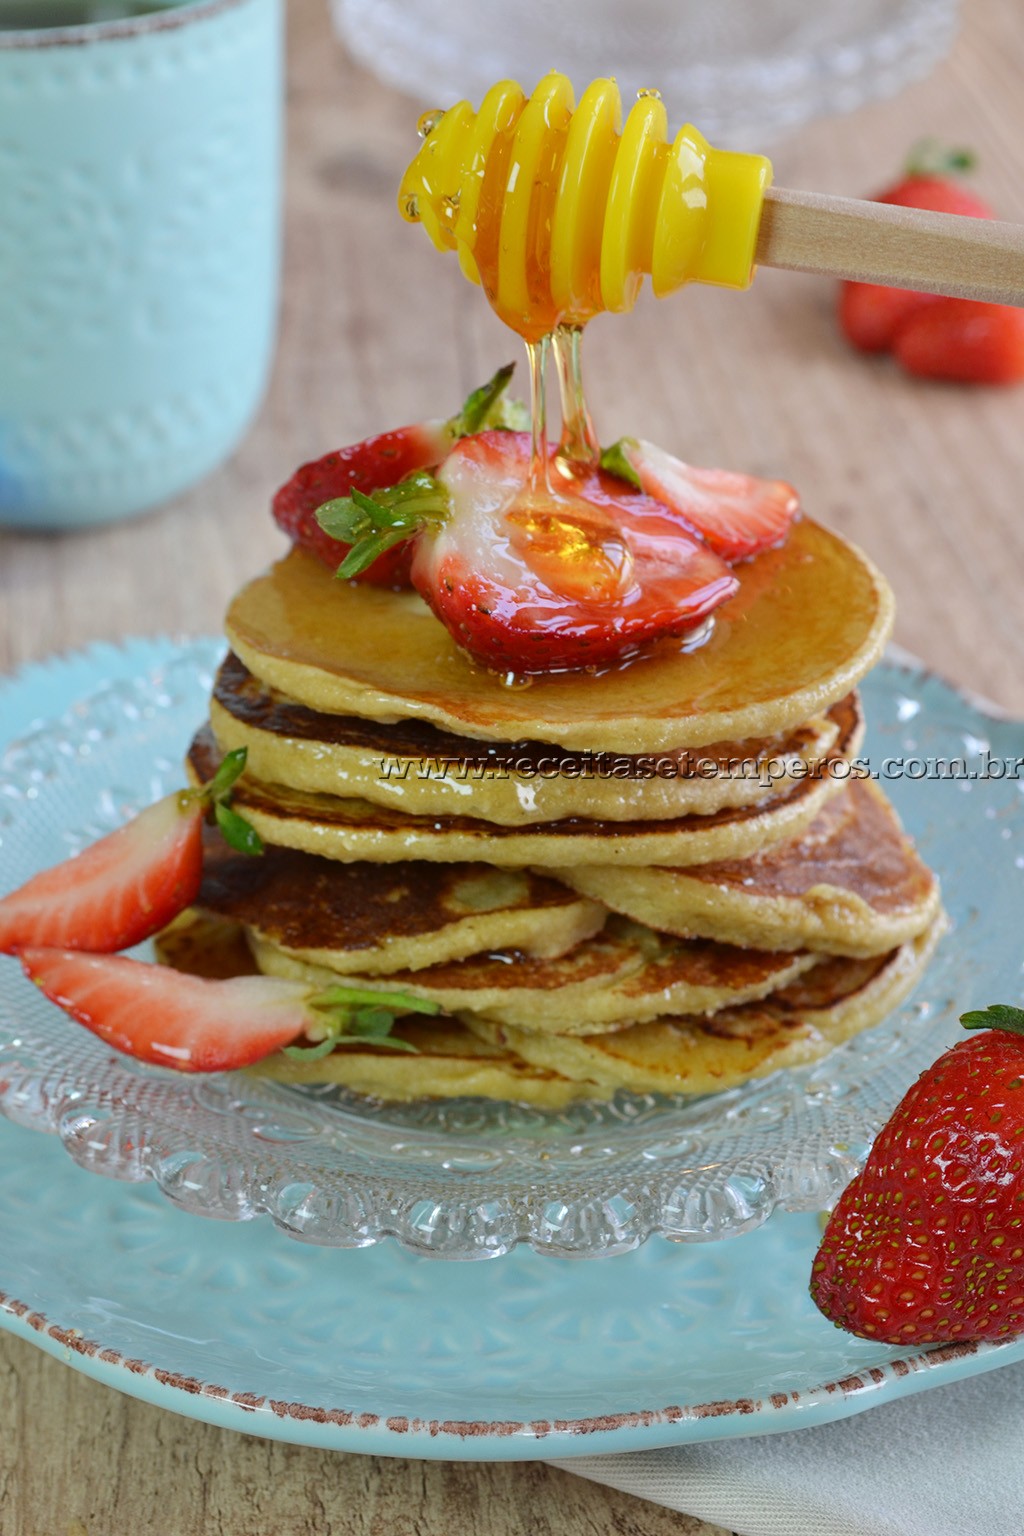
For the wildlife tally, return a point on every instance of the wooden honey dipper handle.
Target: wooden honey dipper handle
(901, 247)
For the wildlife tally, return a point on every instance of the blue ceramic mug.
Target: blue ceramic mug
(139, 234)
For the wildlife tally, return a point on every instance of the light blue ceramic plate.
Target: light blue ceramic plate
(385, 1350)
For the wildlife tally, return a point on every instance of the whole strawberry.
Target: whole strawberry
(936, 338)
(926, 1245)
(870, 315)
(964, 341)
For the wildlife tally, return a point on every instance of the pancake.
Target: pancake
(423, 771)
(377, 918)
(451, 1062)
(349, 829)
(691, 1055)
(810, 618)
(202, 944)
(623, 974)
(826, 1004)
(850, 883)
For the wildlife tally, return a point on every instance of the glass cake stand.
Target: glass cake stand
(469, 1178)
(744, 71)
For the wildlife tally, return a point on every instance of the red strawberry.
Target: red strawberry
(378, 462)
(927, 1244)
(937, 193)
(870, 316)
(196, 1025)
(736, 515)
(539, 580)
(131, 883)
(366, 466)
(964, 341)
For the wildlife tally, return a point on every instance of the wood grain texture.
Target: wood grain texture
(375, 330)
(78, 1459)
(872, 242)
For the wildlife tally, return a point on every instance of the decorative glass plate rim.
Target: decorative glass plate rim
(594, 1180)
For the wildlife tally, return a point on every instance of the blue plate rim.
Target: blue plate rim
(380, 1434)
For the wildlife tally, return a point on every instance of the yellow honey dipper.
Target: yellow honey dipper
(559, 211)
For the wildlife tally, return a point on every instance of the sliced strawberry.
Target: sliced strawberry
(161, 1016)
(378, 462)
(365, 466)
(736, 515)
(963, 341)
(116, 892)
(197, 1025)
(537, 581)
(131, 883)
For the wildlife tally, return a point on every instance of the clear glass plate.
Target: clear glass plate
(743, 71)
(470, 1179)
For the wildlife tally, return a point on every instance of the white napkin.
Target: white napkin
(945, 1462)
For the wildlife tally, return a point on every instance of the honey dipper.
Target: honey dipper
(561, 210)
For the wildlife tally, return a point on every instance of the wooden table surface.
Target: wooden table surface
(377, 330)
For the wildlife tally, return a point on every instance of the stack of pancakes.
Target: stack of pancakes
(669, 876)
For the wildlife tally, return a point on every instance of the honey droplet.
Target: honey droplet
(648, 91)
(428, 122)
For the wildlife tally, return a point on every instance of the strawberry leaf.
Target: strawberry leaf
(374, 1025)
(311, 1052)
(215, 795)
(996, 1016)
(617, 462)
(333, 1042)
(232, 766)
(366, 550)
(368, 1022)
(374, 523)
(930, 157)
(361, 1015)
(386, 1042)
(238, 833)
(368, 997)
(348, 517)
(487, 407)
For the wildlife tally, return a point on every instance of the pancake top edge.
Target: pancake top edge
(810, 619)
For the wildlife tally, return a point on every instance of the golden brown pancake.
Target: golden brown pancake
(423, 771)
(349, 829)
(623, 974)
(704, 1055)
(203, 944)
(451, 1062)
(850, 883)
(810, 618)
(376, 918)
(826, 1004)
